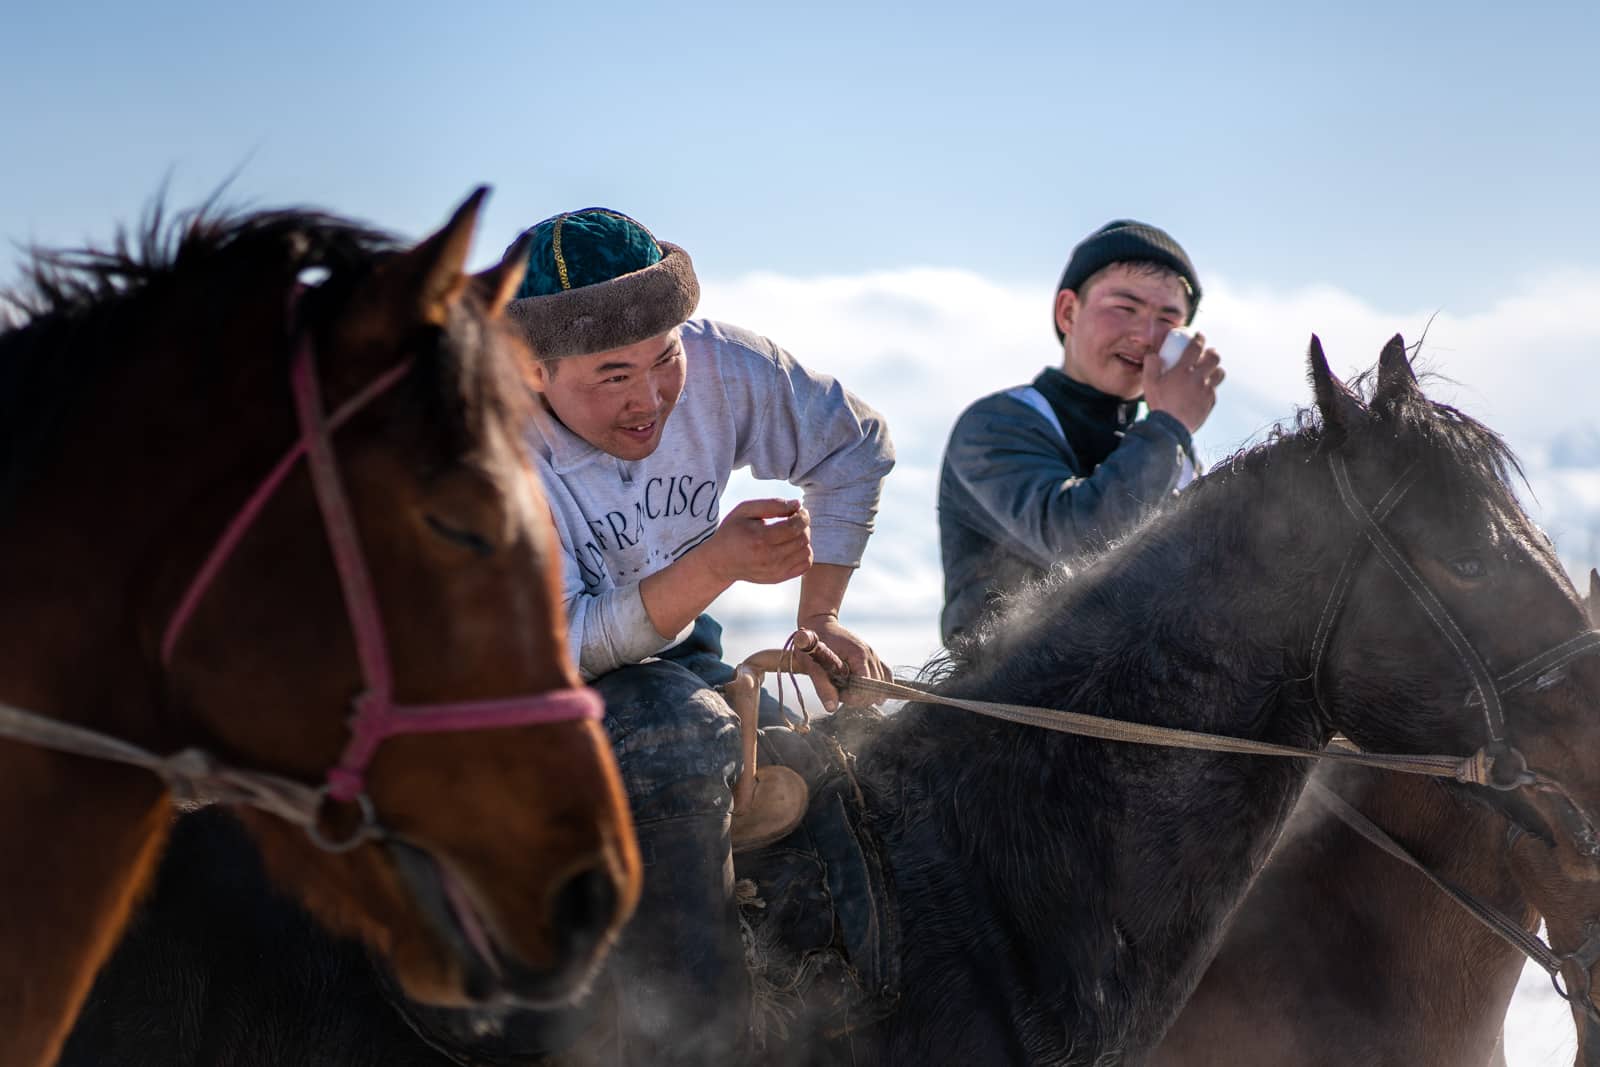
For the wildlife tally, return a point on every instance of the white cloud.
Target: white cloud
(920, 344)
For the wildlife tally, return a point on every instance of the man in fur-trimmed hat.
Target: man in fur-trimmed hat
(1066, 464)
(643, 414)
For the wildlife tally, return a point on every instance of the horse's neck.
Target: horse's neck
(68, 646)
(78, 841)
(78, 838)
(1145, 848)
(87, 545)
(1185, 626)
(1463, 843)
(1174, 629)
(1332, 913)
(1333, 920)
(81, 537)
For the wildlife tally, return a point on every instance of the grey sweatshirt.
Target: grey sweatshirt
(745, 403)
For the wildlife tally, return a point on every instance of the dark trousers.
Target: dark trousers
(678, 970)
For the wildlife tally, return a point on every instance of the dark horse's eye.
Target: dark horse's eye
(1468, 567)
(455, 535)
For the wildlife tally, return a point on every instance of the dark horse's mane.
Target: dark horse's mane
(71, 283)
(74, 310)
(1446, 434)
(1458, 442)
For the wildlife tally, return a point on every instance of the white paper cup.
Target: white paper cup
(1172, 348)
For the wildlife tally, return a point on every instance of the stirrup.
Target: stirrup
(778, 802)
(770, 802)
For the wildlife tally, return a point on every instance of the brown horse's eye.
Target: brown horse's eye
(478, 544)
(1468, 567)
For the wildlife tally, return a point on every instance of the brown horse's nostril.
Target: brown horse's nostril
(587, 904)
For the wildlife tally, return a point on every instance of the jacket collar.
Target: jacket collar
(1092, 421)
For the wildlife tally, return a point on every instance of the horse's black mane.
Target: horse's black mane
(1450, 442)
(78, 306)
(1429, 428)
(75, 309)
(61, 284)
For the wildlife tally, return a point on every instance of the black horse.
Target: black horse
(1058, 898)
(1039, 898)
(220, 968)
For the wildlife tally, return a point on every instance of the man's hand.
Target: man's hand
(764, 541)
(1188, 391)
(761, 541)
(857, 655)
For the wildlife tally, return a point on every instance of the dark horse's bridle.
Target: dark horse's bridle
(192, 774)
(1506, 768)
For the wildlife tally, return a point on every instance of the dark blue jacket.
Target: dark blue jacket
(1031, 478)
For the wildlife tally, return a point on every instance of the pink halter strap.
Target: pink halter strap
(376, 716)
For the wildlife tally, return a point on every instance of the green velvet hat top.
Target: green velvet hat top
(579, 248)
(596, 280)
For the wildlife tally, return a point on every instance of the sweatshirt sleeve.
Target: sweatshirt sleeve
(607, 626)
(1030, 499)
(607, 629)
(802, 427)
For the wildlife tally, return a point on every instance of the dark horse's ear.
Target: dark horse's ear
(1395, 377)
(1340, 408)
(499, 283)
(433, 273)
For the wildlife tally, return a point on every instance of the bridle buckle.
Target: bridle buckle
(367, 829)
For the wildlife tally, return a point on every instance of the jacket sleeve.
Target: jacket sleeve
(1031, 499)
(798, 426)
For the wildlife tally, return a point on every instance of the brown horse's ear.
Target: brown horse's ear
(499, 283)
(1591, 603)
(1395, 377)
(1340, 408)
(435, 269)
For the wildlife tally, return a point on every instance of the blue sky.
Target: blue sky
(890, 190)
(1420, 157)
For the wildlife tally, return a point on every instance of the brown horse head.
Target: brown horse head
(147, 400)
(1567, 892)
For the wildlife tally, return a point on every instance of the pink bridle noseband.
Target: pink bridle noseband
(376, 714)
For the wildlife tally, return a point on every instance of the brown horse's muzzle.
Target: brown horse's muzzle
(585, 910)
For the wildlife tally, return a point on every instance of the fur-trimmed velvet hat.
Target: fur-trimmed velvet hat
(597, 280)
(1127, 241)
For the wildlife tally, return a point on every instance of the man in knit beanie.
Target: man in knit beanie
(642, 416)
(1068, 463)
